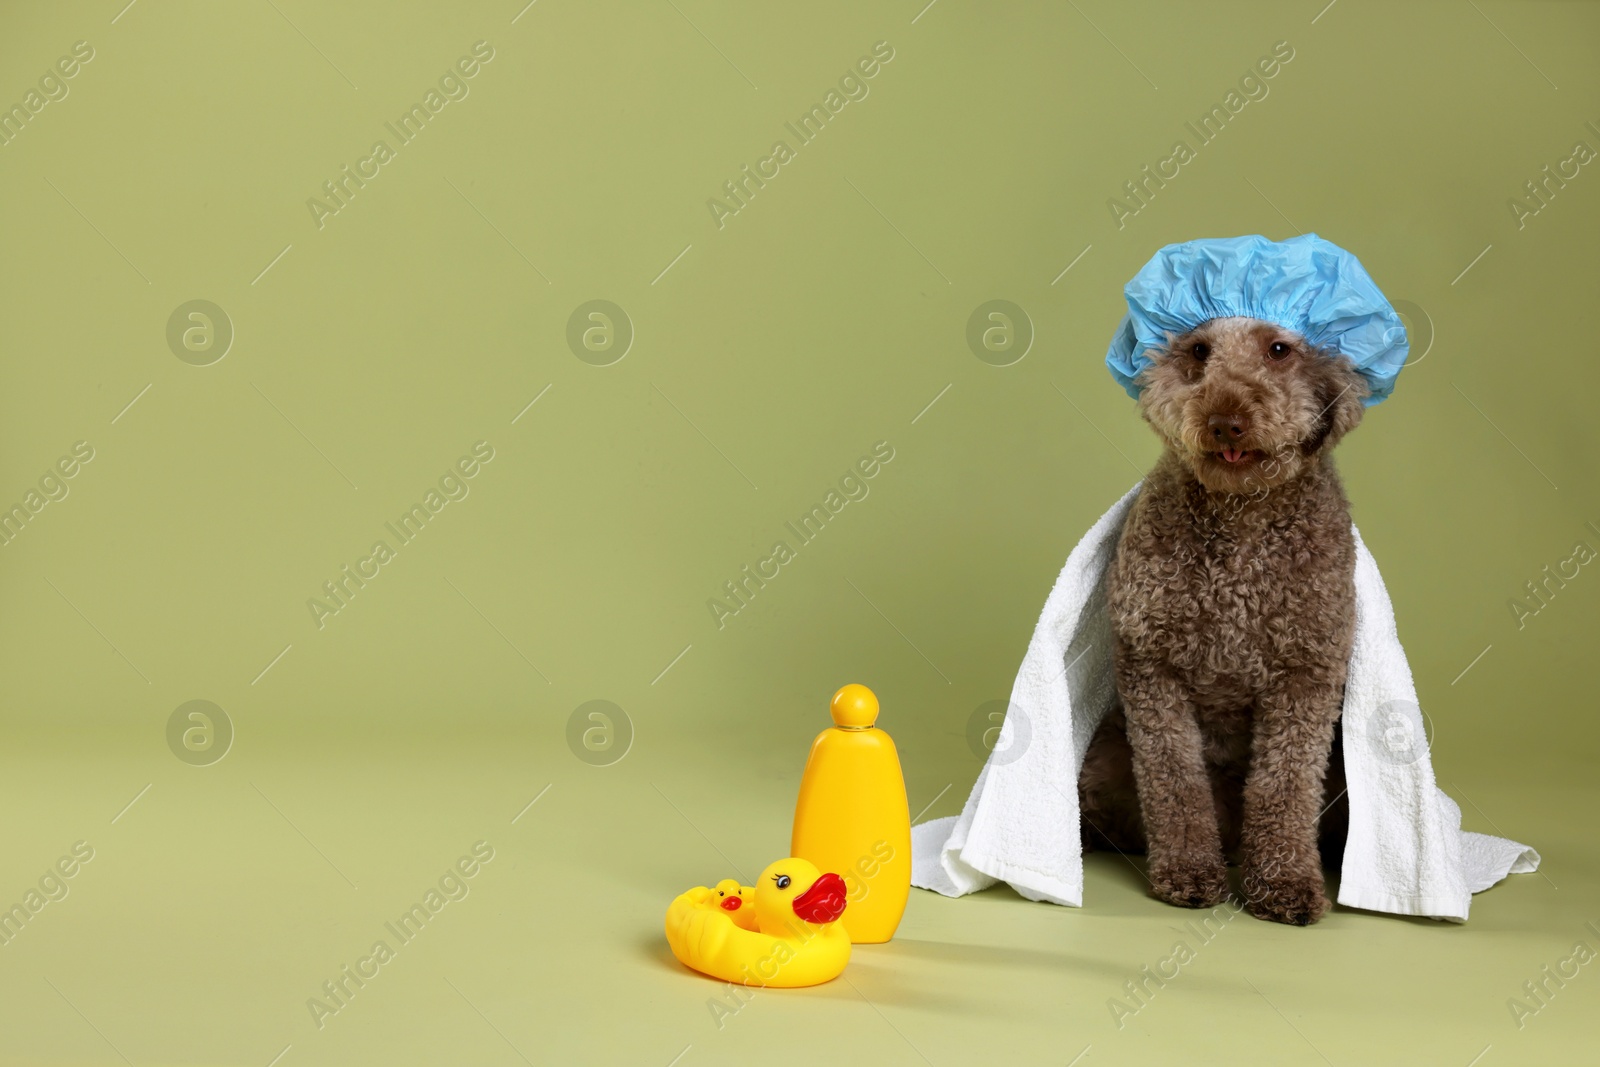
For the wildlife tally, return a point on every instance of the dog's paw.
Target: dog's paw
(1298, 899)
(1191, 882)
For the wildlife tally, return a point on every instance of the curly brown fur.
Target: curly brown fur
(1232, 605)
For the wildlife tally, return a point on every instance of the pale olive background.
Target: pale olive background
(768, 356)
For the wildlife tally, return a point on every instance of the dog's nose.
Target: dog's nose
(1228, 429)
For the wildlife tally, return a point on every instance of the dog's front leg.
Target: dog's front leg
(1292, 735)
(1175, 797)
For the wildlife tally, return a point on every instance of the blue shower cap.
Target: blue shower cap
(1304, 284)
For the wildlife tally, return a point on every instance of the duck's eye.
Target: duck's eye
(1278, 350)
(782, 881)
(1200, 351)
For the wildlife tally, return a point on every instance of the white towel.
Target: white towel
(1406, 852)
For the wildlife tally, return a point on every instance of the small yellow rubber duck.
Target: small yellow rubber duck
(797, 939)
(739, 902)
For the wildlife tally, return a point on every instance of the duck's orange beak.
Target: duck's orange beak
(731, 903)
(823, 902)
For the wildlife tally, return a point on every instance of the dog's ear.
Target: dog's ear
(1339, 395)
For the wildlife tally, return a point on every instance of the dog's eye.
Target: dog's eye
(1278, 350)
(1200, 351)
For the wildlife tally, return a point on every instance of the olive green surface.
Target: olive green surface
(244, 854)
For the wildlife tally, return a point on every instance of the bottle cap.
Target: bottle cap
(854, 707)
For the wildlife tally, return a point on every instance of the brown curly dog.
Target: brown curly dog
(1232, 606)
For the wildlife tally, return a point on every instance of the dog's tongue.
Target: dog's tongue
(1233, 455)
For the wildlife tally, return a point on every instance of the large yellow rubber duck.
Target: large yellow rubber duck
(798, 941)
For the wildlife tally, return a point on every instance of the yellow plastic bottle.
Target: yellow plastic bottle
(852, 816)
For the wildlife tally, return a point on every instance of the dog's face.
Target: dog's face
(1248, 404)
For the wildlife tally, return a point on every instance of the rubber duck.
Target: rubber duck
(798, 939)
(739, 902)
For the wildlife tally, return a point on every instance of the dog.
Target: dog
(1231, 599)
